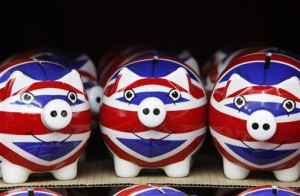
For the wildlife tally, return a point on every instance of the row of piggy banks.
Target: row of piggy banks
(153, 111)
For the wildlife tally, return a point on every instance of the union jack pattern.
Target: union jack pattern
(28, 139)
(176, 91)
(250, 97)
(269, 190)
(28, 191)
(145, 189)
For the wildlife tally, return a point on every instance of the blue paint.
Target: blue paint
(161, 68)
(255, 73)
(41, 100)
(48, 71)
(164, 97)
(48, 151)
(268, 192)
(260, 157)
(275, 108)
(166, 192)
(151, 148)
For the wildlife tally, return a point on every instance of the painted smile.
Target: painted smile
(260, 148)
(151, 139)
(31, 133)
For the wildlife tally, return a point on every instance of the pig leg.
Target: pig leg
(233, 171)
(179, 169)
(125, 168)
(68, 172)
(12, 173)
(288, 175)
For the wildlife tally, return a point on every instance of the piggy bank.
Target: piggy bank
(153, 114)
(216, 64)
(269, 190)
(45, 119)
(148, 189)
(254, 115)
(30, 191)
(83, 64)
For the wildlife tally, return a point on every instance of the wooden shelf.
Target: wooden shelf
(206, 172)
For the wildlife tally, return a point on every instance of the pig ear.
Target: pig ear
(180, 77)
(236, 83)
(73, 79)
(20, 81)
(87, 65)
(188, 59)
(127, 77)
(192, 63)
(292, 85)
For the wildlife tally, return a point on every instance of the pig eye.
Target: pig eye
(289, 105)
(239, 102)
(174, 94)
(129, 95)
(72, 96)
(27, 97)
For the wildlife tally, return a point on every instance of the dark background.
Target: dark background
(96, 27)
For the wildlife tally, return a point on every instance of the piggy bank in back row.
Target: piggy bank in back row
(45, 119)
(153, 114)
(254, 115)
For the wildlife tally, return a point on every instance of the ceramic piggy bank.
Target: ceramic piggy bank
(153, 190)
(221, 58)
(30, 192)
(83, 64)
(269, 190)
(254, 115)
(153, 115)
(45, 119)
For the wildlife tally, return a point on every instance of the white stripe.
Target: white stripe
(220, 106)
(8, 139)
(189, 137)
(256, 145)
(192, 104)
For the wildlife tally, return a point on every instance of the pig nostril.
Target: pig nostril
(156, 111)
(64, 113)
(53, 113)
(255, 126)
(266, 127)
(146, 111)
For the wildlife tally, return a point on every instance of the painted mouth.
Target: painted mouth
(152, 139)
(260, 149)
(31, 133)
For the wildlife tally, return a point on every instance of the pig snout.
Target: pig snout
(56, 115)
(261, 125)
(151, 112)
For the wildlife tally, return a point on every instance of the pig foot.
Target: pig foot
(12, 173)
(288, 175)
(68, 172)
(233, 171)
(180, 169)
(125, 168)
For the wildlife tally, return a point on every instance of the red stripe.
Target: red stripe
(20, 160)
(261, 90)
(228, 156)
(235, 128)
(50, 84)
(22, 123)
(177, 121)
(262, 57)
(195, 91)
(88, 75)
(180, 156)
(133, 189)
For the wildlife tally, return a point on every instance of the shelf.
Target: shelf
(206, 172)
